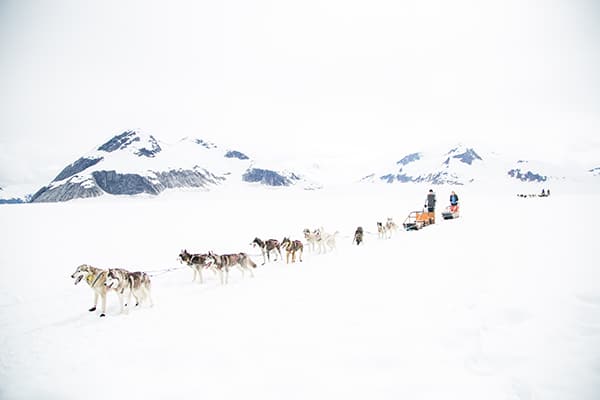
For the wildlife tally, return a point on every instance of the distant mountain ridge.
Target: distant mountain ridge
(133, 163)
(460, 165)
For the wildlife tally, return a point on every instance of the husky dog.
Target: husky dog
(391, 226)
(139, 287)
(291, 247)
(195, 261)
(117, 279)
(267, 247)
(135, 283)
(311, 239)
(358, 236)
(382, 232)
(95, 278)
(325, 241)
(223, 263)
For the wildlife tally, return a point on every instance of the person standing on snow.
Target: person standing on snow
(453, 201)
(430, 203)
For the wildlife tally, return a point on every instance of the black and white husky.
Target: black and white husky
(131, 283)
(223, 263)
(266, 247)
(140, 287)
(382, 231)
(197, 262)
(358, 236)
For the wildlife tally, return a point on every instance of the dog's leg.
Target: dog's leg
(103, 313)
(95, 302)
(199, 268)
(131, 292)
(149, 294)
(139, 297)
(121, 298)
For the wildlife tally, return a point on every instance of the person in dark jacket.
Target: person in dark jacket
(430, 204)
(453, 201)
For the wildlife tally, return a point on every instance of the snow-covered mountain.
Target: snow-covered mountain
(463, 165)
(135, 163)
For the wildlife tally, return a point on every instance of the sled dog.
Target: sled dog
(117, 279)
(195, 261)
(311, 239)
(140, 287)
(325, 241)
(391, 226)
(292, 247)
(95, 278)
(358, 236)
(382, 232)
(266, 247)
(137, 284)
(223, 263)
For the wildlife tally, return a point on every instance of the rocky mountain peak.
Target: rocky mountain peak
(465, 155)
(142, 145)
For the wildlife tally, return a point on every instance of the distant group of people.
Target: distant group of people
(545, 193)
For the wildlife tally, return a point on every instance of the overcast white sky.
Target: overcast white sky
(299, 78)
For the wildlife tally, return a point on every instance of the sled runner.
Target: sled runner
(451, 212)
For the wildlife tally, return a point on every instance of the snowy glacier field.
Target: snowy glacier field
(501, 303)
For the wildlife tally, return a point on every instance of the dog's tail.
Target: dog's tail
(247, 261)
(146, 281)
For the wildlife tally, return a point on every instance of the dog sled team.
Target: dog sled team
(126, 284)
(545, 193)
